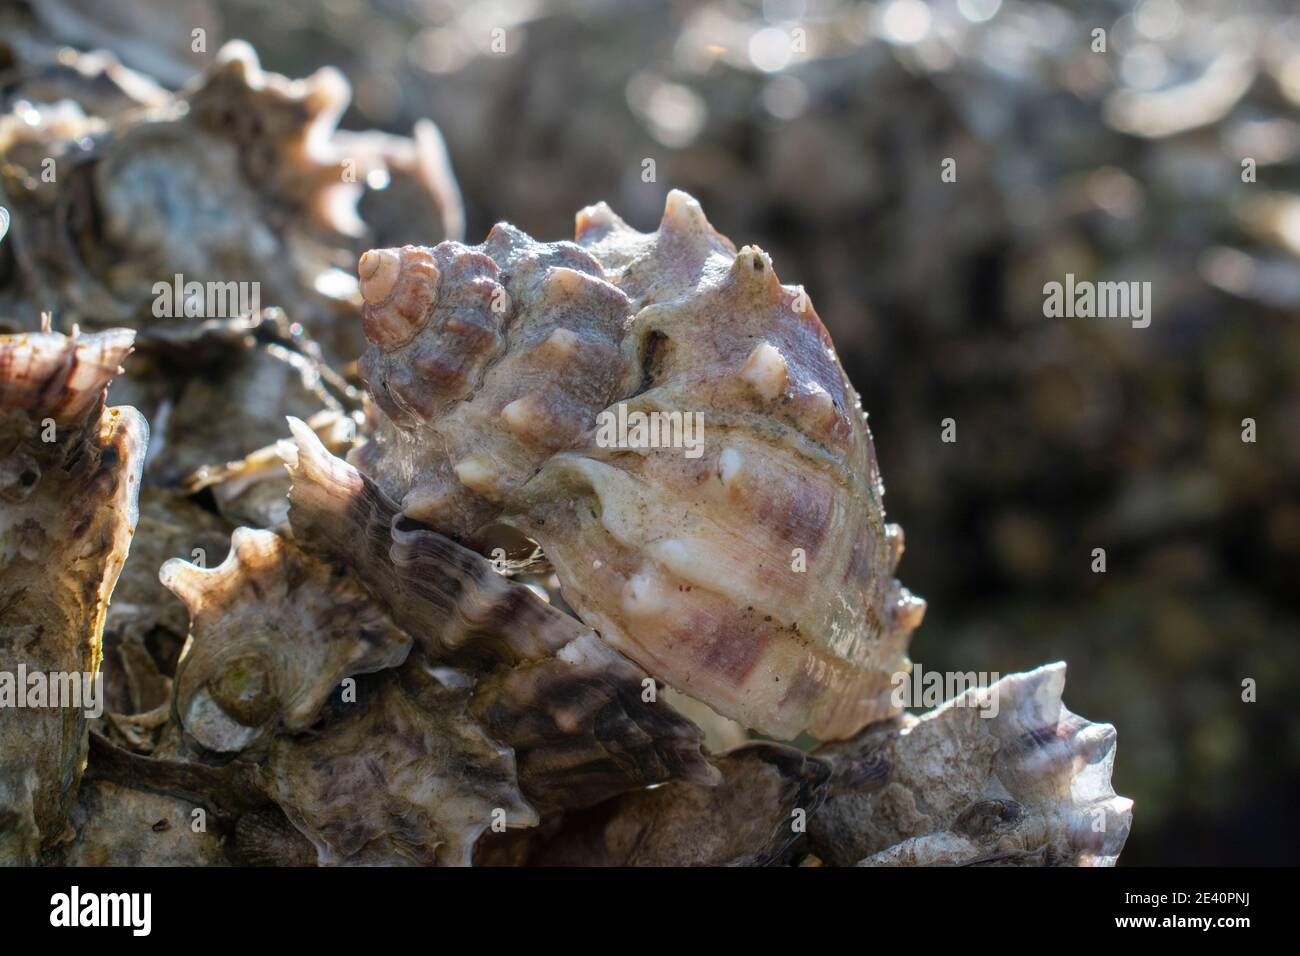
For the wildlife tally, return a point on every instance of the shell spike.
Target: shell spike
(752, 270)
(238, 58)
(594, 222)
(183, 579)
(326, 95)
(766, 371)
(683, 215)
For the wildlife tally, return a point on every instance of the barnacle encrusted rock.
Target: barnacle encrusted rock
(69, 479)
(1004, 775)
(751, 569)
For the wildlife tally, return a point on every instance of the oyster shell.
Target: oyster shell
(1027, 786)
(398, 772)
(583, 730)
(585, 723)
(402, 778)
(272, 634)
(119, 825)
(69, 477)
(547, 711)
(751, 818)
(240, 182)
(267, 838)
(755, 575)
(115, 816)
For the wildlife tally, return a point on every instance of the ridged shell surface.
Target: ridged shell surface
(69, 481)
(736, 545)
(1003, 776)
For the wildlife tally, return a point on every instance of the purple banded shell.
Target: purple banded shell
(752, 570)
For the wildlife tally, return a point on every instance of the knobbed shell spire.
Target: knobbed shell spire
(483, 362)
(750, 566)
(69, 480)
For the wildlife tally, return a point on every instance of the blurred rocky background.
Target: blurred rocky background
(819, 129)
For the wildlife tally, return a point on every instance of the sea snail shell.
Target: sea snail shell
(753, 569)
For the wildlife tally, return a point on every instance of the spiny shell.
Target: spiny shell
(273, 632)
(69, 476)
(1029, 785)
(757, 575)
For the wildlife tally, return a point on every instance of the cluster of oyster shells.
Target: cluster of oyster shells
(453, 624)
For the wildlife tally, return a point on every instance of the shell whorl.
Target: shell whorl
(467, 418)
(433, 318)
